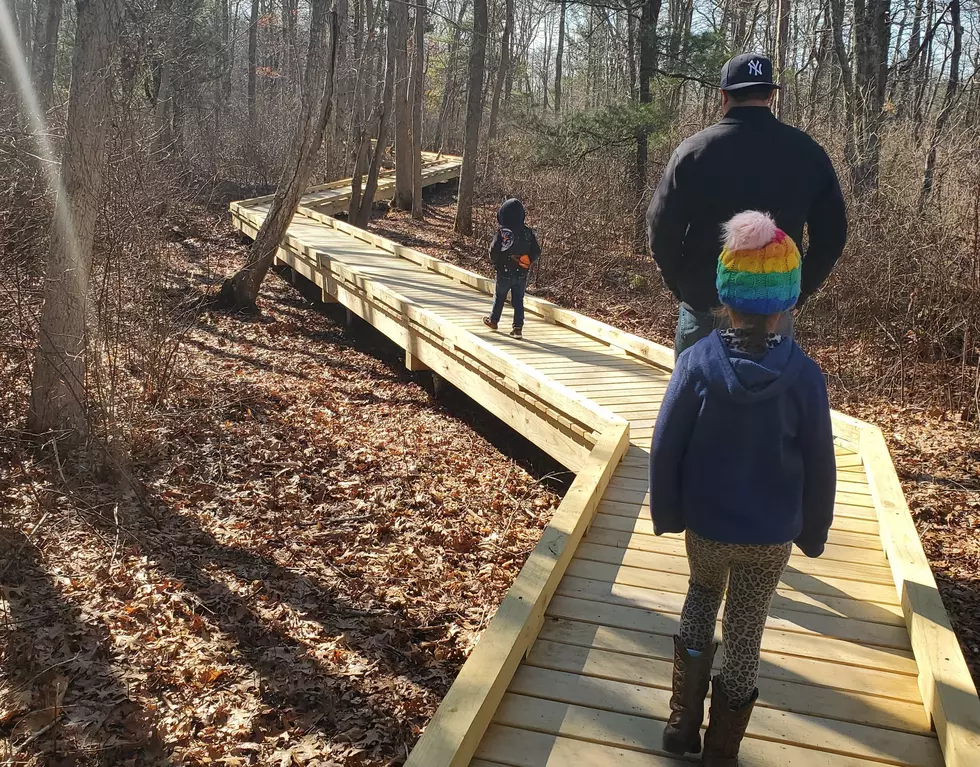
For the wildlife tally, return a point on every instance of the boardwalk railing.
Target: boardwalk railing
(591, 440)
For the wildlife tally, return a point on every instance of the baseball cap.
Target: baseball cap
(746, 70)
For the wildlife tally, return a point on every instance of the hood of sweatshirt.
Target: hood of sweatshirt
(747, 380)
(512, 214)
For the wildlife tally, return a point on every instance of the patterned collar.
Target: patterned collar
(736, 340)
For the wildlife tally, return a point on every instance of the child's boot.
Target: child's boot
(692, 673)
(490, 323)
(726, 728)
(517, 333)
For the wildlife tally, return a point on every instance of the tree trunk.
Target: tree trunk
(782, 44)
(502, 68)
(58, 400)
(242, 289)
(417, 96)
(364, 44)
(449, 88)
(871, 46)
(949, 100)
(163, 109)
(253, 63)
(560, 56)
(647, 35)
(371, 186)
(836, 8)
(631, 54)
(46, 50)
(403, 120)
(474, 116)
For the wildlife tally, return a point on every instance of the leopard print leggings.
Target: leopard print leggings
(751, 574)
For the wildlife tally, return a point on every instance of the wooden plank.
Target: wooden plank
(775, 640)
(640, 522)
(601, 375)
(947, 688)
(862, 525)
(618, 399)
(844, 505)
(589, 580)
(677, 562)
(413, 363)
(640, 733)
(782, 726)
(788, 613)
(517, 747)
(825, 586)
(455, 731)
(791, 611)
(806, 686)
(806, 670)
(675, 545)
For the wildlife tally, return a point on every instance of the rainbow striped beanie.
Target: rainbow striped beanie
(759, 266)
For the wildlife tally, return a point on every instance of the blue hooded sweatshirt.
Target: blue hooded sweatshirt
(743, 450)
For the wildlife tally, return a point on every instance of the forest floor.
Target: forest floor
(291, 569)
(303, 545)
(936, 455)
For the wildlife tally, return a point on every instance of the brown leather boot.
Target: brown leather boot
(726, 728)
(682, 735)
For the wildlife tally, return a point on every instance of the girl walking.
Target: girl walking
(743, 462)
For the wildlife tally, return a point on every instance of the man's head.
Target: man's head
(746, 80)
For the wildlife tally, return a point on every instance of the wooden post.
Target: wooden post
(414, 364)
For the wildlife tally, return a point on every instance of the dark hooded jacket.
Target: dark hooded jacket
(748, 161)
(743, 449)
(513, 240)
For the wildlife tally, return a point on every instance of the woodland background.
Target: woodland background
(239, 505)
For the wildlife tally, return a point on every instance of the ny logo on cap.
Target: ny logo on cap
(755, 68)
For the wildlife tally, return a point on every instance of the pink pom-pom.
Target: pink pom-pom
(749, 230)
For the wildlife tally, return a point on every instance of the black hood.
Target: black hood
(511, 214)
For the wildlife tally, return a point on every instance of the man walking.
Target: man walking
(748, 161)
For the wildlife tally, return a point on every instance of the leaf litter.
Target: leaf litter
(300, 554)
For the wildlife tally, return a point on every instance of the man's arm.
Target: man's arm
(827, 230)
(667, 221)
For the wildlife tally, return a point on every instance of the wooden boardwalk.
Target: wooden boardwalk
(859, 665)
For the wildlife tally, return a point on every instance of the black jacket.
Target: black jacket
(513, 240)
(748, 161)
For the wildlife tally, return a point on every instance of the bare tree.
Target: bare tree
(502, 69)
(647, 35)
(45, 49)
(242, 289)
(782, 45)
(560, 56)
(363, 214)
(58, 397)
(474, 117)
(449, 88)
(417, 96)
(403, 126)
(865, 85)
(949, 100)
(253, 65)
